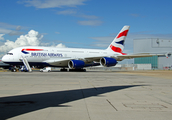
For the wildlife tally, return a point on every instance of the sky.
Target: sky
(89, 24)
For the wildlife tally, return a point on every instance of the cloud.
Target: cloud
(75, 13)
(5, 31)
(1, 36)
(16, 31)
(6, 25)
(12, 33)
(30, 39)
(102, 42)
(18, 28)
(57, 32)
(107, 39)
(52, 3)
(90, 22)
(67, 12)
(9, 29)
(64, 3)
(89, 16)
(136, 15)
(61, 46)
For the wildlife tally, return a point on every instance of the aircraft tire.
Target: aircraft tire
(13, 70)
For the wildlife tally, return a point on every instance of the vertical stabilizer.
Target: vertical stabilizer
(117, 44)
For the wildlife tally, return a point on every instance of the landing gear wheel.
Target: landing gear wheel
(13, 70)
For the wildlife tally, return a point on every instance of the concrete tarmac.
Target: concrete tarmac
(92, 95)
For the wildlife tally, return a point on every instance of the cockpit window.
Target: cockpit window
(9, 53)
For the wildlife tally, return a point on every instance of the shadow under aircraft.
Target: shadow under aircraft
(17, 105)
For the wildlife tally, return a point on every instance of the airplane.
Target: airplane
(73, 58)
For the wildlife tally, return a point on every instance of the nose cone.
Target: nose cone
(4, 58)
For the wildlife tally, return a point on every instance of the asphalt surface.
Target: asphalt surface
(92, 95)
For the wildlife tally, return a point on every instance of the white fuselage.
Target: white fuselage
(43, 55)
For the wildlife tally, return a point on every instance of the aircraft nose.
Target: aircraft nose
(4, 58)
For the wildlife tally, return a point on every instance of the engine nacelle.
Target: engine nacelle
(108, 62)
(76, 64)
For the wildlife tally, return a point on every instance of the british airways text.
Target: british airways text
(47, 54)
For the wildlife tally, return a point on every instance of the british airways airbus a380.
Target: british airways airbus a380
(72, 58)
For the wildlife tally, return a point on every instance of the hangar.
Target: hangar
(154, 45)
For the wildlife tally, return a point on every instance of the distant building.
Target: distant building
(154, 45)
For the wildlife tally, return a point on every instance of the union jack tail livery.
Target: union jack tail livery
(117, 44)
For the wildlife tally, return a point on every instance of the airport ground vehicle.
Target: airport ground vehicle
(46, 69)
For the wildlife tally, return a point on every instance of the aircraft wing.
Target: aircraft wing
(131, 56)
(58, 62)
(64, 61)
(139, 55)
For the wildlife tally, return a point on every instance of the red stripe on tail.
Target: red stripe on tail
(117, 49)
(124, 33)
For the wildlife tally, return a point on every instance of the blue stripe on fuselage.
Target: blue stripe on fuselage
(25, 52)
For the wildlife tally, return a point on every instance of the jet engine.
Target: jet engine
(108, 62)
(76, 64)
